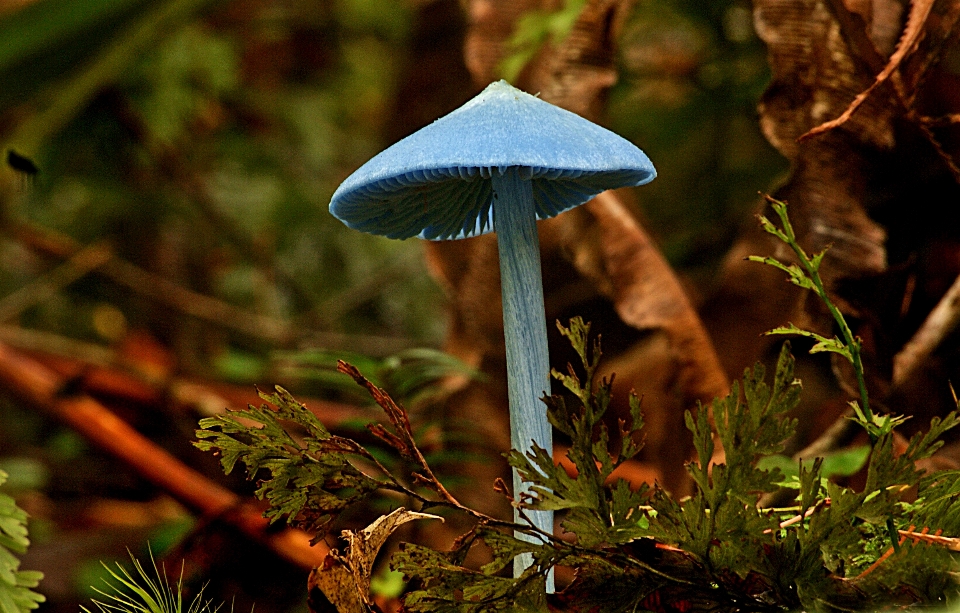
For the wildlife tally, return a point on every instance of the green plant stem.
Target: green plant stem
(853, 343)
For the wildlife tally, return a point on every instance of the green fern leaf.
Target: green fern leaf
(310, 480)
(16, 586)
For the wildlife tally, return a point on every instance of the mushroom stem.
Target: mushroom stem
(524, 326)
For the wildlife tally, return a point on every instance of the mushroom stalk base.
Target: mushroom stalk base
(525, 330)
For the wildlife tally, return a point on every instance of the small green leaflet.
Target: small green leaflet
(16, 586)
(309, 480)
(832, 345)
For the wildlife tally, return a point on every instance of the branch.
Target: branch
(833, 438)
(38, 386)
(211, 310)
(159, 288)
(48, 285)
(939, 323)
(105, 372)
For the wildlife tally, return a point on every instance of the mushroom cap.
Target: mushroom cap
(435, 183)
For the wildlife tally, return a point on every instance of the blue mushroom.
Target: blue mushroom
(498, 163)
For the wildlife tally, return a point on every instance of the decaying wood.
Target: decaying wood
(140, 371)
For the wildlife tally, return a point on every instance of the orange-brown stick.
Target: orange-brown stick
(37, 385)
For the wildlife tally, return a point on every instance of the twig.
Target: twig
(40, 387)
(375, 345)
(159, 288)
(334, 307)
(197, 305)
(48, 342)
(105, 373)
(205, 308)
(939, 323)
(800, 517)
(913, 32)
(943, 120)
(854, 32)
(938, 148)
(46, 286)
(949, 542)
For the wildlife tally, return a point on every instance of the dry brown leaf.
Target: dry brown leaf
(916, 20)
(815, 74)
(674, 366)
(345, 579)
(335, 582)
(573, 73)
(823, 53)
(940, 31)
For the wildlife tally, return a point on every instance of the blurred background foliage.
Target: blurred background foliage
(200, 142)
